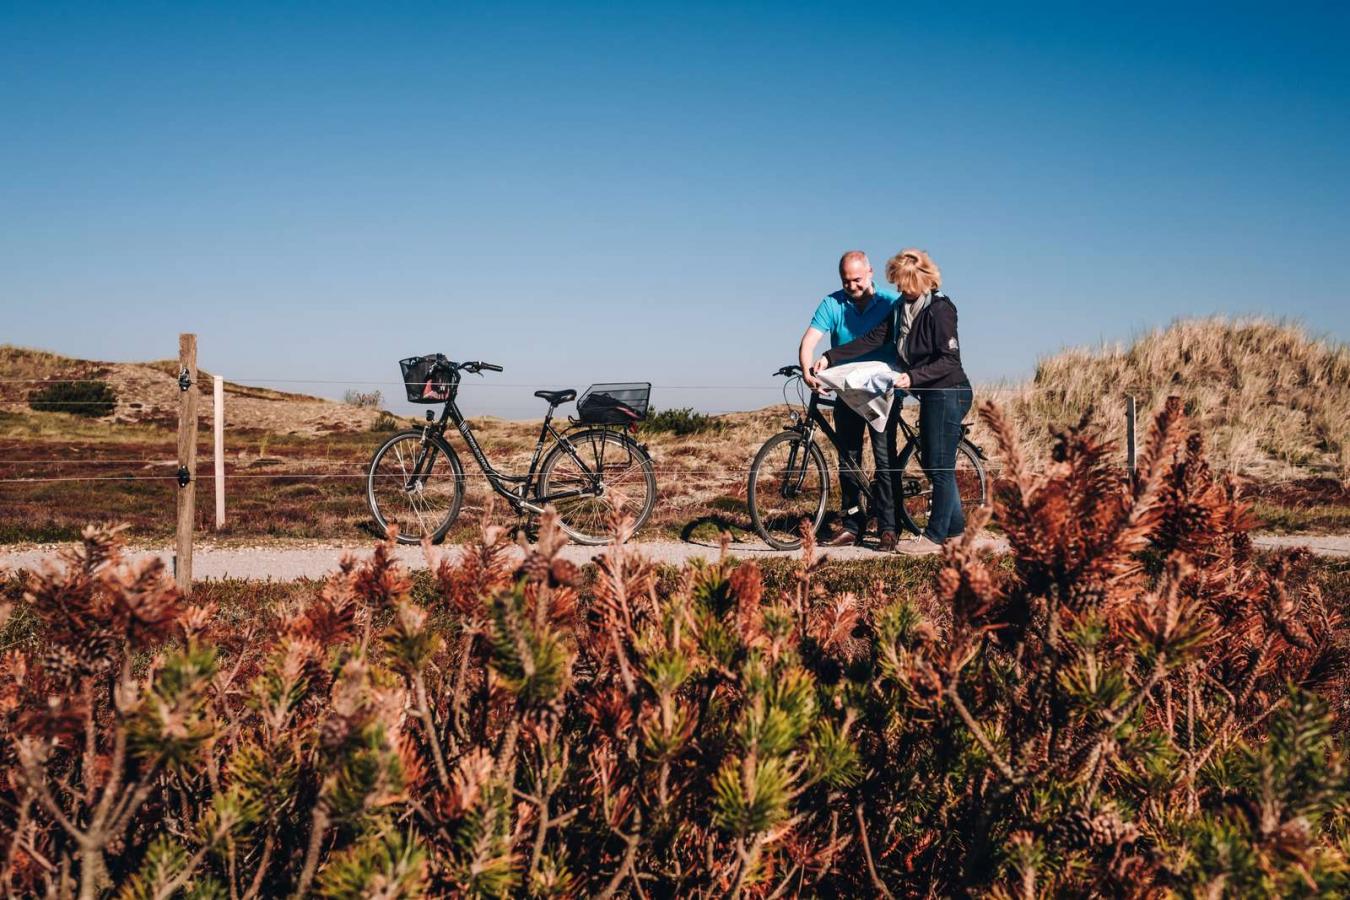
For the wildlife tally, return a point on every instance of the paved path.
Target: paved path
(288, 562)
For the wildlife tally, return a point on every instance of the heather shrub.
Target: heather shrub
(1130, 706)
(386, 421)
(93, 399)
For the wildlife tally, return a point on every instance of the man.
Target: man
(844, 315)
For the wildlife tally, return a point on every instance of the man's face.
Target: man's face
(857, 278)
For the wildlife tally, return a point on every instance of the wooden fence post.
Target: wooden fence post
(1130, 444)
(187, 458)
(219, 428)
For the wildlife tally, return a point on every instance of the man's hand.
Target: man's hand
(805, 351)
(902, 381)
(809, 376)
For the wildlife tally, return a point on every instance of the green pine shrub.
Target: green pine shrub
(681, 422)
(93, 399)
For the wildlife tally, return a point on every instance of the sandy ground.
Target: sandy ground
(289, 562)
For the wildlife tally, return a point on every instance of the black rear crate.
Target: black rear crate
(615, 404)
(428, 379)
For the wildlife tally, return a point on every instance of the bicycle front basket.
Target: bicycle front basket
(614, 404)
(428, 379)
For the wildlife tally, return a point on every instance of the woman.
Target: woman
(922, 329)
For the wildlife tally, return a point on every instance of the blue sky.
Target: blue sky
(655, 192)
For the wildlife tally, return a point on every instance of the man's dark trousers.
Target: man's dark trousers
(849, 428)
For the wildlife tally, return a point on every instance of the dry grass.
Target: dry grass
(148, 394)
(1272, 402)
(1273, 405)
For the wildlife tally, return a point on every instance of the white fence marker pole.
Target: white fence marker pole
(1131, 447)
(219, 422)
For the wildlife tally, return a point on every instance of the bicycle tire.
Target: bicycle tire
(382, 489)
(781, 527)
(587, 518)
(914, 495)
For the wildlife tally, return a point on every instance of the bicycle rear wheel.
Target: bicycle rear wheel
(418, 487)
(917, 491)
(610, 476)
(789, 484)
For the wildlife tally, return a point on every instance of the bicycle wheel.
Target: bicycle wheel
(417, 487)
(917, 499)
(610, 474)
(789, 483)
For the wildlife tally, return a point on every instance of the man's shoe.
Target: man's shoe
(844, 538)
(887, 542)
(920, 546)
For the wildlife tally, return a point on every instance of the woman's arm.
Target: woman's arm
(948, 357)
(877, 337)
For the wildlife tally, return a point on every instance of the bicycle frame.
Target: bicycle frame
(499, 481)
(807, 426)
(813, 420)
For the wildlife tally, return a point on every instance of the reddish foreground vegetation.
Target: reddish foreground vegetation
(1132, 706)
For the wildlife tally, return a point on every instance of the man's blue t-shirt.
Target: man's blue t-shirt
(839, 317)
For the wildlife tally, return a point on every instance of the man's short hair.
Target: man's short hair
(853, 256)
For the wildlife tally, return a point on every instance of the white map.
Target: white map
(867, 387)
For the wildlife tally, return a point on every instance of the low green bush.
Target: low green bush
(93, 399)
(681, 422)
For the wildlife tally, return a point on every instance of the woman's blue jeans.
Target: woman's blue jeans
(941, 412)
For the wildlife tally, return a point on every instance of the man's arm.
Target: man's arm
(806, 352)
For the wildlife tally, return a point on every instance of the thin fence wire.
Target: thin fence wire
(699, 474)
(259, 384)
(733, 475)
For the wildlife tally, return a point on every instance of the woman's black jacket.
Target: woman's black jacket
(931, 345)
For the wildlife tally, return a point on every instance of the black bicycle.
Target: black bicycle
(593, 471)
(790, 483)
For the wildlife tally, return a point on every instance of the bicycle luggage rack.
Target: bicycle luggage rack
(623, 404)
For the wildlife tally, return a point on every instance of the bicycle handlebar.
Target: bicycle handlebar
(479, 366)
(789, 370)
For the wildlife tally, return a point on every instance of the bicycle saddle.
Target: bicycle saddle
(556, 397)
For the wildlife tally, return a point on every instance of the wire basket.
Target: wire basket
(615, 404)
(428, 379)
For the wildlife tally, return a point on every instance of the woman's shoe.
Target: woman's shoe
(920, 546)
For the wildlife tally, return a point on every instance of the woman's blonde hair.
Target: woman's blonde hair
(913, 272)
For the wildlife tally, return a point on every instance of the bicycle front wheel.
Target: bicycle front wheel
(603, 477)
(417, 486)
(789, 485)
(917, 500)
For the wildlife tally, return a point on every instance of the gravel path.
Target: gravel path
(286, 563)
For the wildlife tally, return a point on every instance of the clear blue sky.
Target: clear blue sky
(655, 192)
